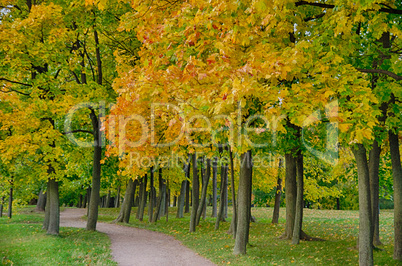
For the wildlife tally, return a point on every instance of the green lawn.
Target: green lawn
(23, 242)
(338, 228)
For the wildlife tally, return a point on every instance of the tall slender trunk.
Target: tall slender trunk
(93, 206)
(1, 206)
(151, 195)
(374, 166)
(397, 175)
(290, 193)
(187, 206)
(205, 180)
(10, 199)
(195, 194)
(54, 209)
(299, 200)
(233, 224)
(180, 207)
(162, 191)
(244, 204)
(107, 201)
(226, 199)
(220, 217)
(365, 223)
(47, 209)
(117, 198)
(214, 186)
(125, 211)
(143, 200)
(278, 194)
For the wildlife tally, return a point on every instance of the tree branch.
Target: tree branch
(381, 71)
(78, 130)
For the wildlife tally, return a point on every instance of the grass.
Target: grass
(23, 242)
(338, 228)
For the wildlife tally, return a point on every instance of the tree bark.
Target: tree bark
(397, 175)
(278, 194)
(107, 201)
(143, 196)
(195, 194)
(233, 223)
(220, 217)
(365, 223)
(125, 211)
(41, 205)
(1, 206)
(151, 195)
(181, 199)
(205, 180)
(54, 209)
(47, 209)
(299, 200)
(117, 199)
(244, 204)
(10, 201)
(162, 191)
(290, 193)
(187, 206)
(214, 187)
(374, 166)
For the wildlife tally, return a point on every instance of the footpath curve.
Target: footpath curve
(133, 246)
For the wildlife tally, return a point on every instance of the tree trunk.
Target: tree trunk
(181, 199)
(47, 209)
(125, 211)
(167, 200)
(1, 206)
(397, 175)
(244, 204)
(187, 206)
(278, 194)
(143, 200)
(107, 202)
(41, 205)
(226, 199)
(151, 195)
(214, 186)
(374, 166)
(290, 194)
(10, 202)
(162, 191)
(365, 232)
(233, 224)
(299, 200)
(205, 180)
(54, 209)
(220, 216)
(117, 199)
(195, 194)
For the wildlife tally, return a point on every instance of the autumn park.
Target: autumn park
(258, 132)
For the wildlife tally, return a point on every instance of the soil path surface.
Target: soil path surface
(133, 246)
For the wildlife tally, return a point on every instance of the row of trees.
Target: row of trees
(200, 80)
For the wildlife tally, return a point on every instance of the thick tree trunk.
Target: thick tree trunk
(205, 180)
(397, 175)
(374, 167)
(10, 203)
(299, 200)
(143, 196)
(233, 223)
(244, 204)
(187, 206)
(278, 194)
(180, 207)
(41, 205)
(290, 194)
(365, 223)
(220, 217)
(151, 195)
(54, 209)
(195, 194)
(125, 211)
(214, 187)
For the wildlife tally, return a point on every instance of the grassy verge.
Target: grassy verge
(23, 242)
(338, 228)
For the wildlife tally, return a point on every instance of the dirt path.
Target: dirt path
(133, 246)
